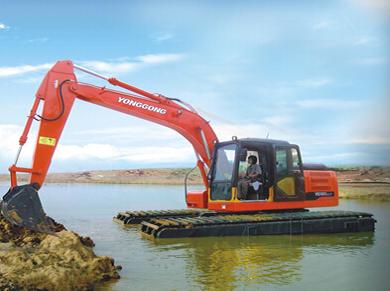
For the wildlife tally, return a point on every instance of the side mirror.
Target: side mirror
(243, 155)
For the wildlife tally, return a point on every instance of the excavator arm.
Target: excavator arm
(57, 92)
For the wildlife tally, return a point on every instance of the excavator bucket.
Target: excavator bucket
(21, 206)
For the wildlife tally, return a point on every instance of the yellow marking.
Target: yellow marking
(51, 141)
(287, 185)
(271, 194)
(234, 194)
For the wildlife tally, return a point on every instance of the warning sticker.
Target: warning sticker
(47, 140)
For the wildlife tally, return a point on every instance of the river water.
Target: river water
(359, 261)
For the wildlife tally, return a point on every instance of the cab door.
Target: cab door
(289, 181)
(223, 173)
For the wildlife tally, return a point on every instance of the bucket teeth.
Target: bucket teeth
(22, 207)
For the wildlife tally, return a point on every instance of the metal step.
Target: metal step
(259, 224)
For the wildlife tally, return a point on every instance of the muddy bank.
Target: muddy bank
(175, 176)
(36, 261)
(162, 176)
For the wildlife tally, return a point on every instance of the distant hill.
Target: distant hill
(172, 176)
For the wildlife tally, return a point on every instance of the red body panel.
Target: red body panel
(197, 199)
(321, 181)
(243, 206)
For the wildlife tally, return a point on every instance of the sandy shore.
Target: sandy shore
(355, 183)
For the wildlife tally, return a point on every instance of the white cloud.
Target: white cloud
(38, 40)
(277, 120)
(361, 41)
(328, 103)
(371, 127)
(338, 158)
(154, 133)
(150, 154)
(322, 25)
(110, 67)
(256, 130)
(377, 6)
(164, 37)
(3, 26)
(365, 41)
(9, 135)
(284, 90)
(313, 83)
(21, 70)
(158, 153)
(159, 58)
(371, 140)
(100, 66)
(88, 151)
(126, 66)
(29, 80)
(372, 61)
(224, 78)
(167, 148)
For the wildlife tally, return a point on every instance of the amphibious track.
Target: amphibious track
(136, 217)
(195, 223)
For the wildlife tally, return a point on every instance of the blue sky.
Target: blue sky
(314, 73)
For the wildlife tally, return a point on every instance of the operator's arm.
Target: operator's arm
(254, 171)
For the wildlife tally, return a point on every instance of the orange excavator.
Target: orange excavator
(282, 181)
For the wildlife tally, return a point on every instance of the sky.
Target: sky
(314, 73)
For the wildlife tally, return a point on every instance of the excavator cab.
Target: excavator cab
(280, 164)
(284, 182)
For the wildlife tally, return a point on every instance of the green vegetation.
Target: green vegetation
(369, 191)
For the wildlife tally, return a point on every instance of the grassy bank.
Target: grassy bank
(379, 192)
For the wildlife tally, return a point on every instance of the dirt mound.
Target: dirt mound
(36, 261)
(364, 174)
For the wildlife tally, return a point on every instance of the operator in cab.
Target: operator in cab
(251, 178)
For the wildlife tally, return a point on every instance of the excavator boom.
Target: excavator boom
(57, 92)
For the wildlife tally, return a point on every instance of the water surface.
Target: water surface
(304, 262)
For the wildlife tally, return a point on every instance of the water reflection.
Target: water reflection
(225, 263)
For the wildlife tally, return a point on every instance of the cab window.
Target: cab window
(287, 159)
(225, 163)
(281, 162)
(221, 186)
(295, 159)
